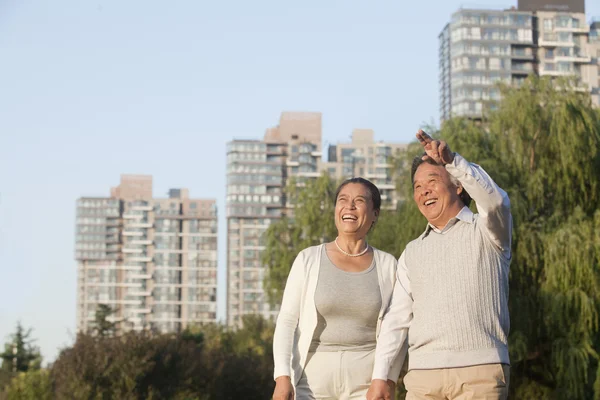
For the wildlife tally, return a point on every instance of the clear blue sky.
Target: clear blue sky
(90, 90)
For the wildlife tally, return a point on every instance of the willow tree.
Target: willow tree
(542, 146)
(309, 223)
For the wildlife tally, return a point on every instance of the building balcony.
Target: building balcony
(553, 40)
(132, 251)
(133, 216)
(555, 73)
(130, 233)
(145, 242)
(140, 225)
(312, 174)
(516, 55)
(584, 28)
(386, 186)
(290, 163)
(576, 58)
(141, 276)
(140, 293)
(521, 71)
(139, 259)
(141, 208)
(140, 310)
(369, 175)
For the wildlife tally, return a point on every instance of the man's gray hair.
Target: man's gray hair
(418, 160)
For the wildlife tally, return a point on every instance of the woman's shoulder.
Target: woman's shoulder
(385, 257)
(311, 251)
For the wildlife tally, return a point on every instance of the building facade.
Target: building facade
(366, 158)
(153, 261)
(480, 48)
(257, 172)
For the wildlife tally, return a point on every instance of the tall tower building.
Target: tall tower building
(257, 172)
(153, 261)
(477, 50)
(480, 48)
(366, 158)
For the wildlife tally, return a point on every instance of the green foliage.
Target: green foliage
(202, 363)
(30, 385)
(311, 223)
(19, 353)
(542, 145)
(102, 326)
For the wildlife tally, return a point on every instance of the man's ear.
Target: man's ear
(459, 189)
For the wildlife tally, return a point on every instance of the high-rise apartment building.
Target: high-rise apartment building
(480, 48)
(153, 261)
(366, 158)
(257, 172)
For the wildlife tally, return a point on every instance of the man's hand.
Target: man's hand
(437, 150)
(381, 390)
(283, 388)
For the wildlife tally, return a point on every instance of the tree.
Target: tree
(543, 147)
(311, 223)
(202, 363)
(102, 325)
(20, 354)
(30, 385)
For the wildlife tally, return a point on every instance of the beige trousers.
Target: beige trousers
(339, 375)
(480, 382)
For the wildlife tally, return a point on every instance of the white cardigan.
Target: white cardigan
(297, 318)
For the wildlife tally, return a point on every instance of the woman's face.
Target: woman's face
(354, 213)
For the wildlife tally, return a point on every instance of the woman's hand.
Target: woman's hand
(283, 388)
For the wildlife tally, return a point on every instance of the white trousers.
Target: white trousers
(336, 375)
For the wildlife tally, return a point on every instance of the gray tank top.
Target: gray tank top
(348, 305)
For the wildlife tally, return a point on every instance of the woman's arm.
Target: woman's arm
(287, 320)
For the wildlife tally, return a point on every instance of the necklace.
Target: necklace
(348, 254)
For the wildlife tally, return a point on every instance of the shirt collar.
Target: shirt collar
(465, 214)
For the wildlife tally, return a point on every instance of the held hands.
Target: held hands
(437, 150)
(381, 390)
(283, 389)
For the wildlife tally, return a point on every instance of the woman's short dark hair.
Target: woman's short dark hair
(418, 160)
(370, 186)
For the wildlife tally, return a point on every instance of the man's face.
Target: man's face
(435, 194)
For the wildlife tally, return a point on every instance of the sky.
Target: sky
(90, 90)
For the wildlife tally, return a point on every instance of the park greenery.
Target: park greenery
(200, 363)
(541, 144)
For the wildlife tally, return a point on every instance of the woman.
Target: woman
(334, 299)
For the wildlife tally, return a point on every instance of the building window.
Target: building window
(549, 53)
(547, 24)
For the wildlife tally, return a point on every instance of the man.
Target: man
(451, 294)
